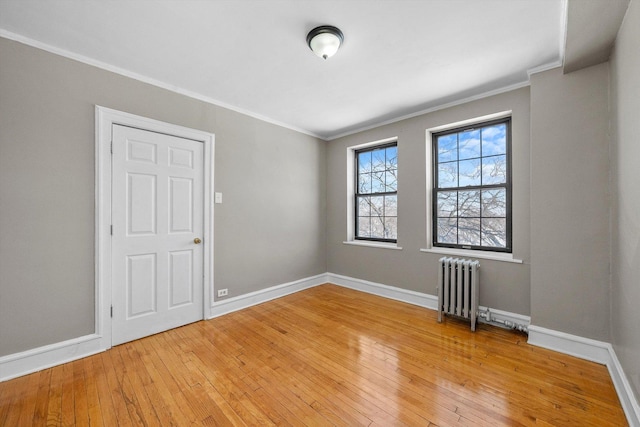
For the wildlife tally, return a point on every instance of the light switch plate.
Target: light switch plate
(218, 197)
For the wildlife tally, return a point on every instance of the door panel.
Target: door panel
(180, 278)
(141, 285)
(141, 204)
(141, 151)
(157, 214)
(180, 205)
(180, 158)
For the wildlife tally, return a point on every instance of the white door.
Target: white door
(157, 215)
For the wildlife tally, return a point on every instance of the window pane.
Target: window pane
(377, 227)
(392, 158)
(391, 228)
(377, 206)
(364, 206)
(494, 140)
(364, 162)
(448, 148)
(391, 181)
(391, 205)
(447, 204)
(469, 203)
(447, 230)
(469, 172)
(494, 202)
(494, 170)
(377, 182)
(364, 183)
(469, 145)
(378, 159)
(494, 232)
(448, 175)
(364, 226)
(469, 231)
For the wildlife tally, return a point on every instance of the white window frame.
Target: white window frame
(351, 153)
(429, 248)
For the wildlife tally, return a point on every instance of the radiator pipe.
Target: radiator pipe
(486, 315)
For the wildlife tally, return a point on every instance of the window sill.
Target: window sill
(381, 245)
(494, 256)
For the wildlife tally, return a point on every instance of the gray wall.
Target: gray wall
(570, 201)
(625, 181)
(269, 230)
(505, 286)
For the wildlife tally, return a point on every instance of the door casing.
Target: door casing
(105, 119)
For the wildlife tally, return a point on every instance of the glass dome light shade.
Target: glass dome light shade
(325, 41)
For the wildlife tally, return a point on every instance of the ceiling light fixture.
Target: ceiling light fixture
(325, 40)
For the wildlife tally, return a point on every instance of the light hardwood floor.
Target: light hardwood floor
(324, 356)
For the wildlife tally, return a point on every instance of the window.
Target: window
(376, 195)
(471, 201)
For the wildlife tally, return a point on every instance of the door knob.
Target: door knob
(197, 240)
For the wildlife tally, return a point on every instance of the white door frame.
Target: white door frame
(105, 119)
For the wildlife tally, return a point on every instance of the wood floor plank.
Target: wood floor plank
(42, 398)
(54, 405)
(93, 398)
(115, 388)
(325, 356)
(136, 375)
(68, 406)
(101, 400)
(10, 404)
(29, 397)
(81, 407)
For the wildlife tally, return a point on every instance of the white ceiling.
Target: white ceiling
(398, 58)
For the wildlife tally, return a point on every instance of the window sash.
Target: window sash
(358, 195)
(457, 189)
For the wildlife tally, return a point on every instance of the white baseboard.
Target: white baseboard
(595, 351)
(391, 292)
(230, 305)
(37, 359)
(623, 388)
(573, 345)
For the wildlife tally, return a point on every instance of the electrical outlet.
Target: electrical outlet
(223, 292)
